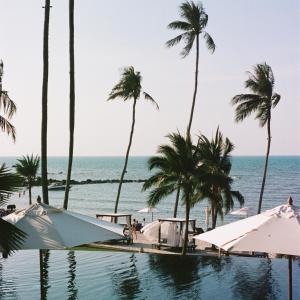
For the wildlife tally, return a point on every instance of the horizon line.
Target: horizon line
(146, 155)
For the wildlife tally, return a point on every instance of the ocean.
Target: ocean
(113, 275)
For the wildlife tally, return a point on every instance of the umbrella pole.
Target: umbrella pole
(290, 295)
(41, 272)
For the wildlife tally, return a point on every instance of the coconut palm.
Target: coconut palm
(27, 168)
(10, 236)
(260, 102)
(45, 104)
(216, 187)
(72, 100)
(129, 87)
(193, 23)
(8, 107)
(177, 165)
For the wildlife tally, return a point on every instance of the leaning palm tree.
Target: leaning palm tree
(215, 156)
(193, 23)
(260, 101)
(10, 236)
(177, 165)
(45, 104)
(72, 100)
(8, 107)
(129, 87)
(27, 168)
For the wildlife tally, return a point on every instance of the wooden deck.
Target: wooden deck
(142, 245)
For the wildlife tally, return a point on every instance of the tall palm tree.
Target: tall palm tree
(8, 107)
(215, 156)
(72, 99)
(10, 236)
(260, 102)
(193, 23)
(45, 104)
(178, 166)
(27, 168)
(129, 87)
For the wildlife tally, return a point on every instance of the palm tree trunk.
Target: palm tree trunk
(186, 233)
(176, 202)
(44, 105)
(212, 215)
(214, 222)
(126, 158)
(266, 166)
(196, 86)
(72, 100)
(29, 189)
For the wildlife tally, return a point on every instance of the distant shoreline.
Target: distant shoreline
(87, 181)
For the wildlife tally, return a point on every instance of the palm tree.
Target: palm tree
(72, 100)
(129, 87)
(10, 236)
(45, 104)
(8, 107)
(178, 166)
(215, 156)
(193, 23)
(27, 168)
(261, 101)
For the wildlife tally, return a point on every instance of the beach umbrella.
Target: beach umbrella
(48, 227)
(149, 210)
(244, 211)
(274, 231)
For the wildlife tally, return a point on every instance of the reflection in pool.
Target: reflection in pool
(114, 275)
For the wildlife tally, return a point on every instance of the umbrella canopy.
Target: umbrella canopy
(273, 231)
(148, 210)
(48, 227)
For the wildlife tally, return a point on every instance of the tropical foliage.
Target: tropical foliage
(193, 24)
(260, 102)
(216, 186)
(27, 167)
(10, 236)
(8, 107)
(129, 87)
(178, 166)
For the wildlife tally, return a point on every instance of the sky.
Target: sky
(110, 35)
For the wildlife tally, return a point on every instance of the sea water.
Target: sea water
(113, 275)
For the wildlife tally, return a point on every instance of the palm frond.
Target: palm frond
(275, 99)
(172, 42)
(8, 128)
(9, 107)
(189, 38)
(9, 184)
(159, 193)
(148, 97)
(11, 237)
(209, 42)
(263, 114)
(180, 25)
(247, 104)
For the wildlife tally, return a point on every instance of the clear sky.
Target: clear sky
(113, 34)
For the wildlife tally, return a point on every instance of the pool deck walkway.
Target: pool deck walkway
(142, 245)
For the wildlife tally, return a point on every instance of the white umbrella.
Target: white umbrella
(273, 231)
(48, 227)
(149, 210)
